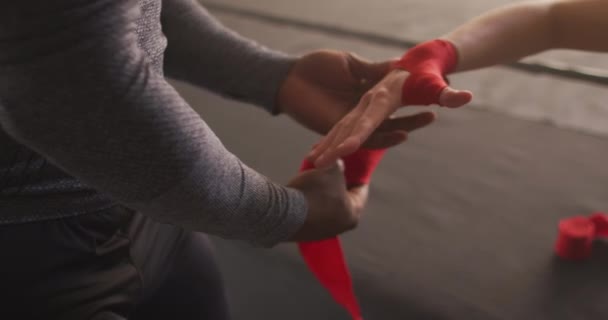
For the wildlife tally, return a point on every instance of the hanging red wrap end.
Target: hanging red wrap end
(325, 258)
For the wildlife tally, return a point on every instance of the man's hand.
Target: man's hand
(368, 118)
(324, 86)
(332, 208)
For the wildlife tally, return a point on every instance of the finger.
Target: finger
(335, 167)
(334, 173)
(344, 149)
(317, 156)
(340, 165)
(358, 197)
(336, 135)
(350, 118)
(452, 98)
(408, 123)
(395, 130)
(354, 130)
(353, 137)
(329, 154)
(337, 148)
(379, 108)
(349, 142)
(385, 140)
(318, 148)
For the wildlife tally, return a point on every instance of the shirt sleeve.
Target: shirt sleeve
(204, 52)
(75, 87)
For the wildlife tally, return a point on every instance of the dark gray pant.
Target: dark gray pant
(115, 264)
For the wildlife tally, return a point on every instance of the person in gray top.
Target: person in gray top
(108, 178)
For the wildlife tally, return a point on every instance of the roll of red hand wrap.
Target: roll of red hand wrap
(427, 63)
(325, 258)
(576, 235)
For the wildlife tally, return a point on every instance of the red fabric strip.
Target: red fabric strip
(576, 235)
(427, 63)
(326, 258)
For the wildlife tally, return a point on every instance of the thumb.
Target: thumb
(336, 168)
(358, 197)
(334, 174)
(453, 98)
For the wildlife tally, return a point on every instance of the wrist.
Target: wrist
(428, 63)
(438, 56)
(285, 90)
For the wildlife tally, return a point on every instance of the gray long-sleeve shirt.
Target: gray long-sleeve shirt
(88, 120)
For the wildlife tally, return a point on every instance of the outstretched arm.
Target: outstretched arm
(499, 36)
(510, 33)
(316, 89)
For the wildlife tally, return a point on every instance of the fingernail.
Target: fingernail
(340, 163)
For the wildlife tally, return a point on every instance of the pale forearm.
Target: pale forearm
(510, 33)
(503, 35)
(581, 24)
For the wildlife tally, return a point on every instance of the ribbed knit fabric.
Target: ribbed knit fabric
(88, 120)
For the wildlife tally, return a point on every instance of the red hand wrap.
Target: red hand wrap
(358, 167)
(427, 63)
(576, 235)
(325, 258)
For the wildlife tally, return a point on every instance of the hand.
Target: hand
(369, 116)
(324, 86)
(332, 208)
